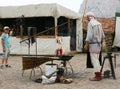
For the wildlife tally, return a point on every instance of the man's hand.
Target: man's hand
(86, 46)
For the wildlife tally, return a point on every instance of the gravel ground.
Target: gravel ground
(11, 78)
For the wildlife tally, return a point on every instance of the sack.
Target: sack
(39, 80)
(103, 45)
(46, 80)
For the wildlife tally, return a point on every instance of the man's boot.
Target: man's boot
(98, 77)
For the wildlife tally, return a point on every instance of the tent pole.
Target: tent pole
(84, 9)
(56, 27)
(69, 28)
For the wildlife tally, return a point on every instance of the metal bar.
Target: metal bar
(111, 65)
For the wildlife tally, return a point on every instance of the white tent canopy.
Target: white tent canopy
(46, 46)
(39, 10)
(117, 33)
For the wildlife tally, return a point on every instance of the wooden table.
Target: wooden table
(32, 62)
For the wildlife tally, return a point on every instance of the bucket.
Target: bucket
(50, 68)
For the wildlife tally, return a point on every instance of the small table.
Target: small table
(31, 62)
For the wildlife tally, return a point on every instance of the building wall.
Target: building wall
(43, 46)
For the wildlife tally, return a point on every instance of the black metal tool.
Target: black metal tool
(109, 57)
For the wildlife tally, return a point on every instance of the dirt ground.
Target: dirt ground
(11, 78)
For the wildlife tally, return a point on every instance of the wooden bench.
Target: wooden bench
(32, 62)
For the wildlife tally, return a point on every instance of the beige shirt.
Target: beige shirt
(95, 35)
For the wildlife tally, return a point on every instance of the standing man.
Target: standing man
(95, 37)
(5, 46)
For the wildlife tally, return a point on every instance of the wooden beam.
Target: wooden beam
(36, 37)
(69, 27)
(56, 27)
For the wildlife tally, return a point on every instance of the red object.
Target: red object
(59, 52)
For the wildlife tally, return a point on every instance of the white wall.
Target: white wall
(45, 46)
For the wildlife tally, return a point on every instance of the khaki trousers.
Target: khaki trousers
(95, 61)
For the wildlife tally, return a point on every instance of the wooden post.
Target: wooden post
(84, 9)
(21, 31)
(56, 27)
(69, 27)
